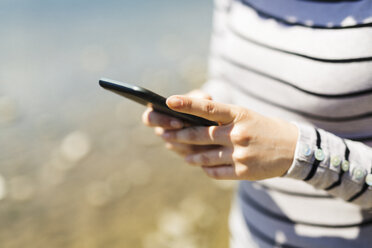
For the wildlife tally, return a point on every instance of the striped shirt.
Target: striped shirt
(309, 62)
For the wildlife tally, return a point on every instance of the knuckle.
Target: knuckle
(170, 146)
(207, 96)
(214, 173)
(146, 118)
(239, 156)
(243, 113)
(176, 148)
(240, 136)
(235, 135)
(209, 108)
(159, 131)
(191, 133)
(169, 135)
(204, 159)
(214, 132)
(240, 171)
(187, 104)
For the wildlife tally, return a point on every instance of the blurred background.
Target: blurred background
(77, 167)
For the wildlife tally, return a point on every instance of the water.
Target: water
(77, 168)
(54, 52)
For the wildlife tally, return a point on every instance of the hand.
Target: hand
(245, 146)
(161, 123)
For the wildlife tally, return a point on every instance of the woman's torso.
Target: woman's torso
(305, 61)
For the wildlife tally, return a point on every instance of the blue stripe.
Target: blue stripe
(319, 14)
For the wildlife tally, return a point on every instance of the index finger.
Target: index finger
(152, 118)
(214, 111)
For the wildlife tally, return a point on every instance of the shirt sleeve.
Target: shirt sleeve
(340, 166)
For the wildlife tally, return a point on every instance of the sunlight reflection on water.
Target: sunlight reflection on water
(75, 160)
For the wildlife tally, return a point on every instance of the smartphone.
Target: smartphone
(149, 98)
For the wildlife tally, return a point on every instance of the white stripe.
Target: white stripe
(322, 43)
(279, 93)
(318, 210)
(222, 4)
(358, 128)
(219, 22)
(315, 76)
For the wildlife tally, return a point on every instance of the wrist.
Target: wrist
(286, 149)
(292, 144)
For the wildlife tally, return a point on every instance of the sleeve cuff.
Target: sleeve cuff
(304, 156)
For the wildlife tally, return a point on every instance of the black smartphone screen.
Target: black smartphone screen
(149, 98)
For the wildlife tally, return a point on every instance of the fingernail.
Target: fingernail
(176, 124)
(175, 102)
